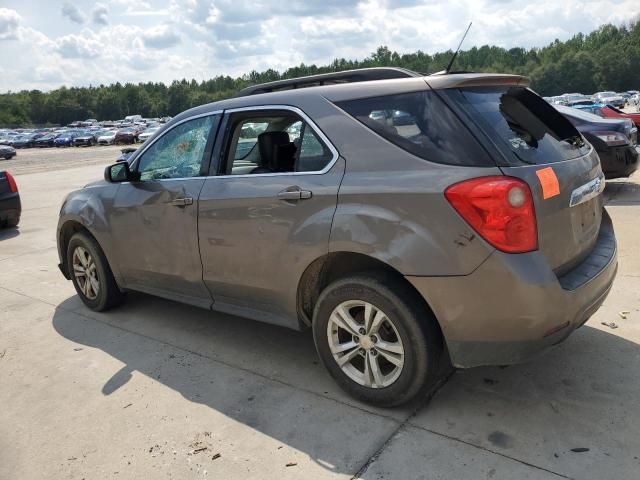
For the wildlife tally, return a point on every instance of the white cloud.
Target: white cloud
(72, 12)
(9, 23)
(100, 13)
(160, 37)
(155, 40)
(78, 46)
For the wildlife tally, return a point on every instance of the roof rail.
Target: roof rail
(346, 76)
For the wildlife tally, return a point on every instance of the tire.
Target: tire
(409, 326)
(108, 294)
(7, 157)
(12, 223)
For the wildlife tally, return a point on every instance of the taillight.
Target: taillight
(13, 186)
(613, 139)
(500, 209)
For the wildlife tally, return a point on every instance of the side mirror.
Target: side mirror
(118, 172)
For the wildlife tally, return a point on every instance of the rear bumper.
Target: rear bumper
(514, 306)
(10, 208)
(619, 161)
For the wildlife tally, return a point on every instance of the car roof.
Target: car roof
(398, 81)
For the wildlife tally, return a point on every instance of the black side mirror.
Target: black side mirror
(119, 172)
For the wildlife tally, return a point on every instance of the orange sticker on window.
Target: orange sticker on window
(548, 182)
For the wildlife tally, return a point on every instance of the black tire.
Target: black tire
(109, 295)
(415, 325)
(8, 157)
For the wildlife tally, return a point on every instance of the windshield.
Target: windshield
(529, 127)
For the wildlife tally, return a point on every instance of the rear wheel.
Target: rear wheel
(378, 341)
(91, 274)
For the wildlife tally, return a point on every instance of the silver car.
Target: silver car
(412, 222)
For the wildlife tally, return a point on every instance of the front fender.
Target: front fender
(89, 208)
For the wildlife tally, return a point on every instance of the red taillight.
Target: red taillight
(500, 209)
(13, 187)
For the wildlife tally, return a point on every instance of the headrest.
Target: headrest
(267, 143)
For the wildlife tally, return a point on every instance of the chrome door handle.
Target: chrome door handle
(181, 202)
(294, 194)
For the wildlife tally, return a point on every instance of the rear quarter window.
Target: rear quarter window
(421, 124)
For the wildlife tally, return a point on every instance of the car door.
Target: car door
(264, 220)
(155, 220)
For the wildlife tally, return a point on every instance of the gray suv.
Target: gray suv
(411, 221)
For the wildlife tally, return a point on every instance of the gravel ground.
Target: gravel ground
(34, 160)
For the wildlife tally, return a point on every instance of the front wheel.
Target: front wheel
(91, 274)
(377, 339)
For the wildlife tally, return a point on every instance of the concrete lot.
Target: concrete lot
(157, 389)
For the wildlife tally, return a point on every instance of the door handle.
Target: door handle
(182, 202)
(296, 194)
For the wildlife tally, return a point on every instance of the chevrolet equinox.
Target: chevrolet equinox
(409, 220)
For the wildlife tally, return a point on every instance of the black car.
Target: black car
(7, 152)
(25, 141)
(46, 140)
(125, 153)
(87, 139)
(614, 140)
(10, 208)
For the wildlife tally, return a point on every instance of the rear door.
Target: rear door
(541, 147)
(266, 214)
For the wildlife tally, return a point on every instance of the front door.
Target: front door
(155, 219)
(267, 214)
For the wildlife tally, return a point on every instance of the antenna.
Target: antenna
(458, 49)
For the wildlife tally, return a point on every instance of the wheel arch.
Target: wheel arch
(65, 232)
(335, 265)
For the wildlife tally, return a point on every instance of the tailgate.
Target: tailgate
(569, 217)
(538, 145)
(4, 185)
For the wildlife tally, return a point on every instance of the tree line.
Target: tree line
(606, 59)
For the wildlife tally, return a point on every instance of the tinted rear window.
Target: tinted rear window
(420, 123)
(531, 129)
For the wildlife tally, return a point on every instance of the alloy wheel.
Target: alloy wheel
(84, 270)
(365, 344)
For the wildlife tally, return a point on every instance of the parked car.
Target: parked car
(7, 152)
(127, 135)
(609, 111)
(66, 139)
(613, 139)
(25, 141)
(46, 140)
(6, 140)
(610, 98)
(107, 138)
(147, 133)
(10, 208)
(125, 154)
(477, 236)
(87, 138)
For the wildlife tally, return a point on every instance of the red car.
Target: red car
(609, 111)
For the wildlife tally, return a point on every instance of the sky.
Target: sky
(46, 44)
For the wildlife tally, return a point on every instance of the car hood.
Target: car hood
(96, 183)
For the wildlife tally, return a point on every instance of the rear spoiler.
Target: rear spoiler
(440, 81)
